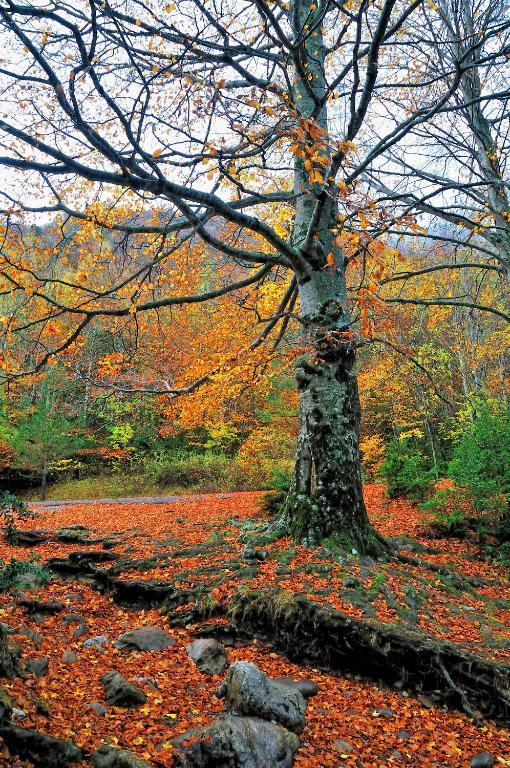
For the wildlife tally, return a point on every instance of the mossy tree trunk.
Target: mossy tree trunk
(326, 499)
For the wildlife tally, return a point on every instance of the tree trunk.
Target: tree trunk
(326, 500)
(44, 481)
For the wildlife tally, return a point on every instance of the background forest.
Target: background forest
(433, 385)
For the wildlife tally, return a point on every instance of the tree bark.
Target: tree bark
(44, 481)
(326, 499)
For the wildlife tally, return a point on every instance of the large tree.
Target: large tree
(223, 114)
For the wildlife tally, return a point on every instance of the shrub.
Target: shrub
(13, 511)
(406, 471)
(448, 516)
(16, 572)
(481, 460)
(188, 470)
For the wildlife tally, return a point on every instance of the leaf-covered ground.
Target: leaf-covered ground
(205, 544)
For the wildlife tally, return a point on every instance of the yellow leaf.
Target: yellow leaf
(157, 152)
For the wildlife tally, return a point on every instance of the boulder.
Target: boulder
(238, 742)
(38, 667)
(110, 757)
(209, 655)
(307, 688)
(248, 691)
(69, 657)
(41, 750)
(482, 760)
(145, 639)
(97, 707)
(96, 642)
(120, 692)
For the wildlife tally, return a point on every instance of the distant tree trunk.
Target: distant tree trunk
(44, 480)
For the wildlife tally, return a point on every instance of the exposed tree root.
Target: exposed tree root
(313, 634)
(306, 631)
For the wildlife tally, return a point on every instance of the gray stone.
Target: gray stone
(482, 760)
(80, 630)
(74, 596)
(31, 580)
(98, 708)
(120, 692)
(150, 681)
(110, 757)
(38, 667)
(248, 691)
(145, 639)
(343, 747)
(307, 688)
(403, 735)
(386, 712)
(19, 713)
(73, 618)
(69, 657)
(238, 742)
(96, 642)
(209, 655)
(32, 635)
(42, 750)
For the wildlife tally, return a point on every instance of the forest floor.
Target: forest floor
(201, 553)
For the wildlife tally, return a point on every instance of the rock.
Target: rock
(109, 757)
(307, 688)
(209, 655)
(96, 642)
(150, 681)
(342, 746)
(38, 667)
(98, 708)
(350, 583)
(31, 580)
(69, 657)
(32, 635)
(6, 707)
(120, 692)
(386, 713)
(145, 639)
(19, 713)
(248, 691)
(80, 630)
(73, 618)
(238, 742)
(42, 750)
(403, 735)
(482, 760)
(253, 554)
(74, 596)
